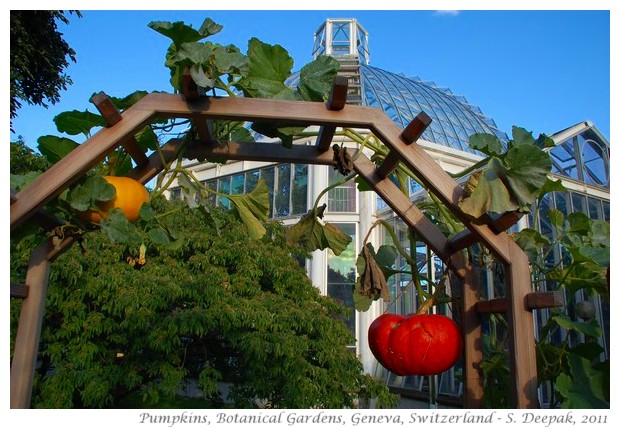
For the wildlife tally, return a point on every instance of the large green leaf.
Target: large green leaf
(526, 173)
(88, 195)
(316, 78)
(590, 328)
(253, 208)
(310, 234)
(585, 387)
(551, 186)
(78, 122)
(181, 33)
(486, 192)
(269, 67)
(585, 275)
(118, 228)
(229, 60)
(20, 181)
(55, 148)
(508, 182)
(531, 242)
(486, 143)
(126, 102)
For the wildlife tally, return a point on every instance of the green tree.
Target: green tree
(24, 160)
(219, 309)
(38, 57)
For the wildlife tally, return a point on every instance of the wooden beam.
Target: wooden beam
(521, 330)
(268, 152)
(204, 129)
(533, 301)
(19, 290)
(336, 101)
(410, 134)
(325, 137)
(169, 152)
(112, 116)
(76, 163)
(406, 210)
(462, 240)
(29, 328)
(473, 379)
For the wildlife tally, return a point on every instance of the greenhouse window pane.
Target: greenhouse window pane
(283, 191)
(223, 187)
(251, 180)
(237, 184)
(300, 189)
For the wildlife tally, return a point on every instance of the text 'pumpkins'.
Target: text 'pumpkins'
(130, 195)
(417, 344)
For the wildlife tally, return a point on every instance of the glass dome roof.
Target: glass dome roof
(402, 98)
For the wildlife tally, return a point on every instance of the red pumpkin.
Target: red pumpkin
(418, 344)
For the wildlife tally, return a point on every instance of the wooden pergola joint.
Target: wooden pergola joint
(205, 129)
(338, 95)
(336, 101)
(112, 116)
(190, 90)
(533, 301)
(409, 135)
(19, 290)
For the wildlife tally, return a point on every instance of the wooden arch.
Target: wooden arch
(202, 110)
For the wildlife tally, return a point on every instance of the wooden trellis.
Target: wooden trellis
(202, 110)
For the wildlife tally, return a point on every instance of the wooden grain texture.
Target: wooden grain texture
(523, 366)
(410, 134)
(472, 338)
(533, 301)
(29, 328)
(402, 205)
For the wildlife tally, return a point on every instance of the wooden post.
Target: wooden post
(29, 328)
(472, 333)
(336, 101)
(521, 330)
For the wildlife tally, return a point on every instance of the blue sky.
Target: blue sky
(542, 70)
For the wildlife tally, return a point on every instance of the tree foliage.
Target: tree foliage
(39, 56)
(217, 310)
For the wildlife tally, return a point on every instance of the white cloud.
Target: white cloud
(447, 12)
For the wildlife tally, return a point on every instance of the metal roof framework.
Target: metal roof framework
(334, 113)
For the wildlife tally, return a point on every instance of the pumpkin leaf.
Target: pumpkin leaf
(485, 192)
(590, 328)
(486, 143)
(526, 173)
(508, 182)
(531, 242)
(253, 208)
(310, 234)
(55, 148)
(589, 391)
(317, 77)
(78, 122)
(180, 33)
(371, 280)
(87, 195)
(118, 228)
(124, 103)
